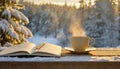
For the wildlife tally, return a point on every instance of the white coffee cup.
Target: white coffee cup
(79, 43)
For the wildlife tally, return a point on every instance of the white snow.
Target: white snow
(39, 39)
(15, 13)
(7, 13)
(80, 58)
(61, 59)
(46, 59)
(23, 17)
(26, 31)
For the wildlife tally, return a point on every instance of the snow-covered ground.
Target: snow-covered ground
(65, 59)
(46, 59)
(39, 39)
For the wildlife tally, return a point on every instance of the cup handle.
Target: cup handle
(92, 41)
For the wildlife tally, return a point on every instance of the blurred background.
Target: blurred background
(56, 21)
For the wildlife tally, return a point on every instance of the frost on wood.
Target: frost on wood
(12, 29)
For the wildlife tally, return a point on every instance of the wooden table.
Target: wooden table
(59, 65)
(64, 62)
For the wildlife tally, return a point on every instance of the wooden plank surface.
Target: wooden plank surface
(59, 65)
(62, 63)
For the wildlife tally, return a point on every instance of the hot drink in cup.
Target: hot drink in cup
(79, 43)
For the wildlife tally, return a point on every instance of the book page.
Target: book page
(69, 48)
(105, 51)
(102, 49)
(37, 48)
(25, 47)
(48, 49)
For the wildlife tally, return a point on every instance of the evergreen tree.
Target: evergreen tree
(101, 26)
(118, 26)
(12, 21)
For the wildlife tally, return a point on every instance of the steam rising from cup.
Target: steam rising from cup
(77, 30)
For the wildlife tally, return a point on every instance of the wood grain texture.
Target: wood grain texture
(59, 65)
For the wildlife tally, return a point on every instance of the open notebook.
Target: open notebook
(44, 49)
(104, 51)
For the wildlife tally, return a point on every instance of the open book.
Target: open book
(104, 51)
(44, 49)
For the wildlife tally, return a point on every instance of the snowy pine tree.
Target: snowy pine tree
(118, 26)
(12, 21)
(101, 26)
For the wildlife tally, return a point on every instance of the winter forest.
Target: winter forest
(99, 20)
